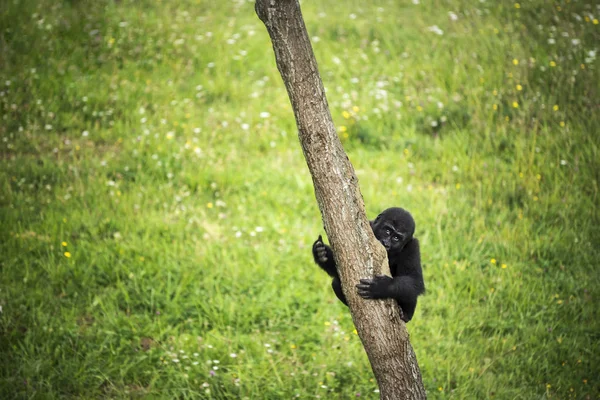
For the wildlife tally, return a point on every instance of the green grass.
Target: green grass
(156, 222)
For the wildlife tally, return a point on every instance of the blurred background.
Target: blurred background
(157, 214)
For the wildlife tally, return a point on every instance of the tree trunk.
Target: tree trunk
(357, 253)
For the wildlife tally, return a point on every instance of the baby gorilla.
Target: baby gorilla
(394, 228)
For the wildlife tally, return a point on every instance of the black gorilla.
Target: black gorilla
(394, 228)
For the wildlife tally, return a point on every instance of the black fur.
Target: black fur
(394, 228)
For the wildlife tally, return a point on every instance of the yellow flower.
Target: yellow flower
(343, 128)
(515, 61)
(327, 323)
(548, 386)
(406, 152)
(64, 244)
(441, 389)
(493, 261)
(346, 114)
(595, 21)
(515, 104)
(503, 266)
(555, 108)
(519, 87)
(209, 205)
(458, 186)
(292, 346)
(552, 63)
(517, 5)
(355, 109)
(582, 66)
(67, 254)
(495, 107)
(419, 108)
(562, 124)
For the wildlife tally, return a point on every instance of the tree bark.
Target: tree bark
(357, 253)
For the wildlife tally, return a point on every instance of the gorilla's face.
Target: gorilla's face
(394, 228)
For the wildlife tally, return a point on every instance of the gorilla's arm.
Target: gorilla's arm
(405, 285)
(323, 256)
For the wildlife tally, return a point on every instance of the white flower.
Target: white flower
(435, 29)
(551, 41)
(452, 16)
(575, 42)
(233, 355)
(265, 114)
(85, 133)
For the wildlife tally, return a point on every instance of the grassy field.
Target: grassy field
(157, 213)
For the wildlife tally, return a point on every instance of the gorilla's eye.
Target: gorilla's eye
(396, 238)
(387, 231)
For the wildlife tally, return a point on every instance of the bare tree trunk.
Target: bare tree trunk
(357, 253)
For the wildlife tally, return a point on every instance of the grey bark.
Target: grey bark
(357, 253)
